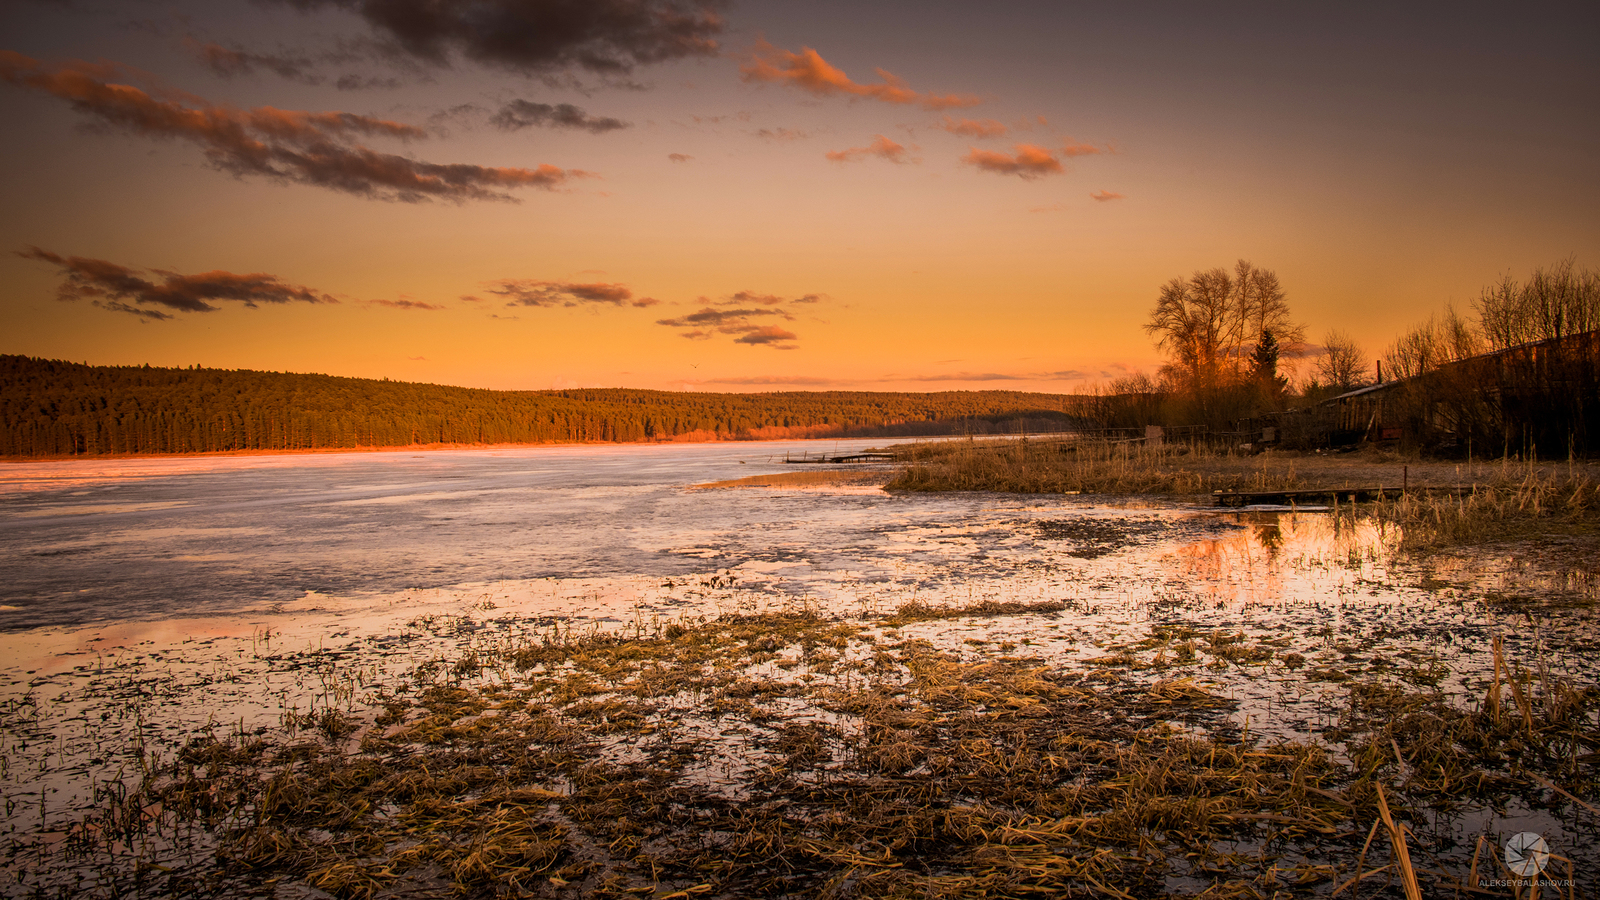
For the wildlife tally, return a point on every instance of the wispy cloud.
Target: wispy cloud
(747, 297)
(781, 134)
(1073, 148)
(112, 286)
(1029, 161)
(1065, 375)
(1104, 196)
(520, 114)
(808, 71)
(610, 37)
(749, 320)
(297, 65)
(741, 116)
(230, 62)
(405, 304)
(881, 147)
(978, 128)
(720, 319)
(561, 293)
(679, 157)
(807, 380)
(311, 148)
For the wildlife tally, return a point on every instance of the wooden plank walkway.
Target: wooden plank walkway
(1326, 495)
(852, 457)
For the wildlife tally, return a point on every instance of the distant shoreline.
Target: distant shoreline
(421, 448)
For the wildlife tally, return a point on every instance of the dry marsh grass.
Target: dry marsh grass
(1543, 504)
(795, 755)
(1438, 504)
(1053, 467)
(824, 478)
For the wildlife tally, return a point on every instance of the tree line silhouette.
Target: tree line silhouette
(56, 408)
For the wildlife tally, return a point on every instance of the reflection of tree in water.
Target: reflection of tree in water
(1271, 538)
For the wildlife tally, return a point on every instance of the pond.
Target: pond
(149, 601)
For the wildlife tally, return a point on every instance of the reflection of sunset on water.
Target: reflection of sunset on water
(1280, 555)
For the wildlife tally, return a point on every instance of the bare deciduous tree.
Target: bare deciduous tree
(1210, 323)
(1553, 303)
(1343, 365)
(1444, 338)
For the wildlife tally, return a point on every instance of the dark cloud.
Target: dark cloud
(1105, 196)
(1067, 375)
(560, 293)
(520, 114)
(679, 157)
(311, 148)
(297, 65)
(154, 315)
(610, 37)
(744, 297)
(776, 379)
(353, 82)
(110, 286)
(728, 321)
(743, 321)
(405, 304)
(230, 62)
(966, 376)
(768, 335)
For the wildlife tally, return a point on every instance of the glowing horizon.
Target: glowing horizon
(698, 196)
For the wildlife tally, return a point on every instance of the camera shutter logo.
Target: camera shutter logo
(1526, 854)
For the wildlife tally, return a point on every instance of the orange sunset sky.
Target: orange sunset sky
(764, 195)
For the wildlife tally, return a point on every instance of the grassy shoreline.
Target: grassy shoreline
(799, 755)
(1499, 500)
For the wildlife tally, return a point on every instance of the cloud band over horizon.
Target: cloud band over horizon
(289, 145)
(110, 286)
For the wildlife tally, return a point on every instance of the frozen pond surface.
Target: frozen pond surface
(82, 542)
(106, 553)
(145, 599)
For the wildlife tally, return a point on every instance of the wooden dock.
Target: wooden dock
(847, 458)
(1325, 495)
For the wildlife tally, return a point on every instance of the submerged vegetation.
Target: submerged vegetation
(798, 755)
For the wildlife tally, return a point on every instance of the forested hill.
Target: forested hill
(54, 408)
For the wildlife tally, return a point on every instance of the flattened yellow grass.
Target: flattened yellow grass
(812, 479)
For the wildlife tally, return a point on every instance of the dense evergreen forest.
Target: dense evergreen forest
(54, 408)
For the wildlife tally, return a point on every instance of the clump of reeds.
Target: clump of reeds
(918, 611)
(1042, 466)
(1538, 503)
